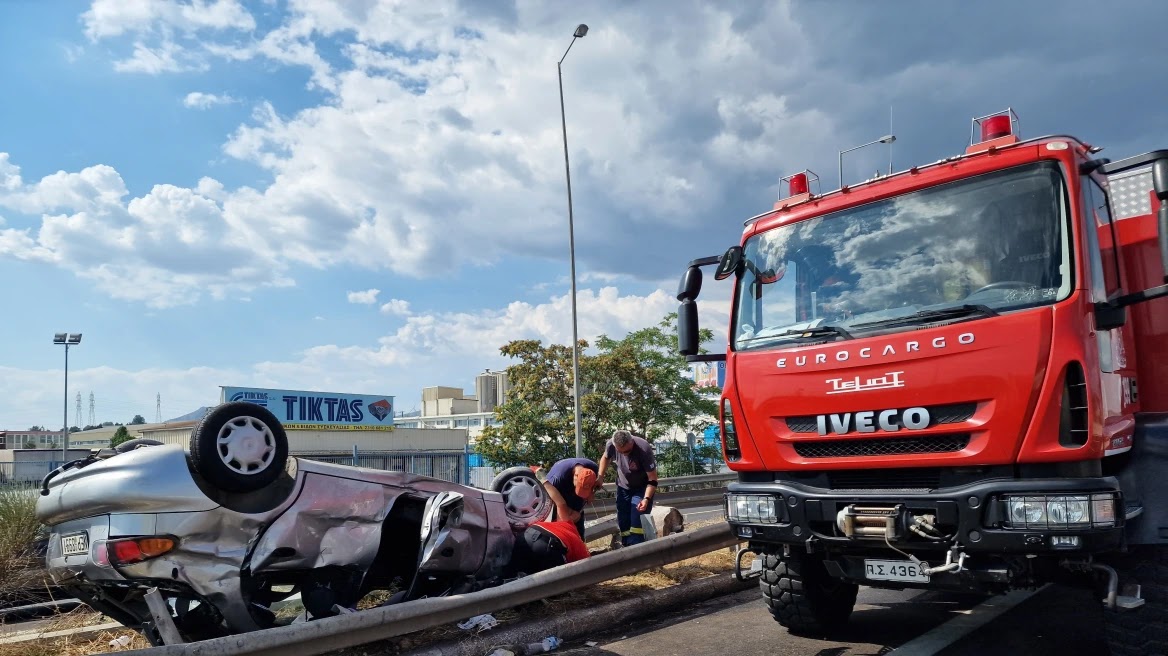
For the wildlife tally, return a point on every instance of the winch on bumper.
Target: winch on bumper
(1002, 516)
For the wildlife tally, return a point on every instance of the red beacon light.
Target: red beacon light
(798, 187)
(797, 184)
(994, 130)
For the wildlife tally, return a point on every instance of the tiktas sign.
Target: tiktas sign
(298, 410)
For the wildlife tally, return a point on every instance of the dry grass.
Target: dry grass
(713, 563)
(77, 618)
(20, 571)
(76, 645)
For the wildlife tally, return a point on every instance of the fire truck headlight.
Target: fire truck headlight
(752, 508)
(1068, 510)
(1061, 511)
(1026, 511)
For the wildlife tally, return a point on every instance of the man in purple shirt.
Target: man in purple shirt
(570, 483)
(636, 482)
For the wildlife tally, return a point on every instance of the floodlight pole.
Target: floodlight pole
(65, 414)
(581, 30)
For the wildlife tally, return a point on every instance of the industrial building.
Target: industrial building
(450, 407)
(29, 439)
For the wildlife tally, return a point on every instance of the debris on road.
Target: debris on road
(479, 623)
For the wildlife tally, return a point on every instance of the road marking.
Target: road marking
(942, 636)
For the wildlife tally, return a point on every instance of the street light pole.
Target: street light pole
(888, 138)
(66, 340)
(581, 30)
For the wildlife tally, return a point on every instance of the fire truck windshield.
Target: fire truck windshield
(995, 242)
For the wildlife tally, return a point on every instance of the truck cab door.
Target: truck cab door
(1116, 374)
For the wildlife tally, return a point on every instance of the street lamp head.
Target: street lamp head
(581, 31)
(75, 338)
(888, 138)
(59, 338)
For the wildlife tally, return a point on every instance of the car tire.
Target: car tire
(130, 445)
(239, 447)
(802, 596)
(524, 497)
(1145, 629)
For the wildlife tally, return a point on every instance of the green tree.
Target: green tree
(637, 382)
(120, 435)
(138, 419)
(674, 459)
(644, 375)
(37, 428)
(29, 443)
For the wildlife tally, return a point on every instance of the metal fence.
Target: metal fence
(27, 474)
(446, 465)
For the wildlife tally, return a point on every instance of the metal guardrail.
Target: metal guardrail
(682, 481)
(329, 634)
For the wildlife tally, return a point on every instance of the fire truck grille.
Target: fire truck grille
(899, 480)
(954, 413)
(882, 446)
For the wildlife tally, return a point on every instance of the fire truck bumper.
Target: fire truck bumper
(1002, 516)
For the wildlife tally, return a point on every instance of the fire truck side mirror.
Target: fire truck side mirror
(687, 327)
(690, 285)
(730, 264)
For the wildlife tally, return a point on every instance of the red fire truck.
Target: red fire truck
(954, 377)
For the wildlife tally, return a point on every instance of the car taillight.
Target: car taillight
(136, 550)
(729, 434)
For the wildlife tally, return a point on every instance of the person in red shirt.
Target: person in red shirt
(545, 545)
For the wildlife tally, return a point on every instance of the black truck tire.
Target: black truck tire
(239, 447)
(802, 596)
(1144, 630)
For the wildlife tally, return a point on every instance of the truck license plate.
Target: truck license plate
(74, 544)
(894, 570)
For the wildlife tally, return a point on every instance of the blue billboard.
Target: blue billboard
(298, 410)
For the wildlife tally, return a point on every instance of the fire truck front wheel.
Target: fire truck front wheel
(802, 596)
(1144, 630)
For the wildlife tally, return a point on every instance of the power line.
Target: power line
(158, 408)
(92, 414)
(78, 421)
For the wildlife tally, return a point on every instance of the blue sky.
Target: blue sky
(209, 190)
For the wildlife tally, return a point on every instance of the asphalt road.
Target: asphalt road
(1055, 621)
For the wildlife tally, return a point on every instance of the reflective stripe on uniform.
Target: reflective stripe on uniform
(636, 531)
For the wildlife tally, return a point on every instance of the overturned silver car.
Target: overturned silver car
(232, 525)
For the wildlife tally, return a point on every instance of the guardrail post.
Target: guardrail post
(160, 612)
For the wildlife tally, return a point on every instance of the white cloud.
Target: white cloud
(153, 61)
(367, 297)
(200, 100)
(168, 247)
(434, 142)
(443, 348)
(109, 18)
(397, 307)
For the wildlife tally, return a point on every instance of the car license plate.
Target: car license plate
(74, 544)
(894, 570)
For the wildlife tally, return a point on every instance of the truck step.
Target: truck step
(1130, 599)
(1132, 509)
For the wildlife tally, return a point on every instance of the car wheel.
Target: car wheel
(524, 498)
(239, 447)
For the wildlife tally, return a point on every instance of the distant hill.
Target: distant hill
(190, 416)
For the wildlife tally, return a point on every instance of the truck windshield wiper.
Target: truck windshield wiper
(817, 331)
(926, 316)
